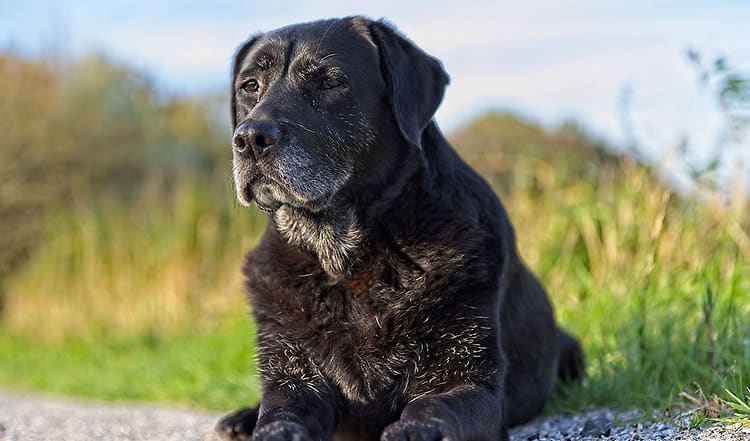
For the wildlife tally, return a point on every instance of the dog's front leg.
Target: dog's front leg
(461, 414)
(295, 412)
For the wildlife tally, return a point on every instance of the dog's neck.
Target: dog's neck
(337, 234)
(333, 236)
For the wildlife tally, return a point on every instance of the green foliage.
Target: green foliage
(730, 88)
(740, 408)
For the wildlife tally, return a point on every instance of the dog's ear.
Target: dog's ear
(416, 81)
(239, 56)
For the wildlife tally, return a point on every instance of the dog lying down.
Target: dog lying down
(390, 299)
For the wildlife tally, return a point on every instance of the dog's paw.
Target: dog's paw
(239, 425)
(416, 430)
(281, 431)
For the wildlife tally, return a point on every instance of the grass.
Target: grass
(209, 369)
(169, 259)
(740, 409)
(655, 285)
(146, 303)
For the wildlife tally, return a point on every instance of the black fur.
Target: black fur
(390, 299)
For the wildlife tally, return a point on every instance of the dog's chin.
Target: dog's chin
(269, 197)
(247, 195)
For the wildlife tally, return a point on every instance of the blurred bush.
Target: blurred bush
(89, 129)
(504, 148)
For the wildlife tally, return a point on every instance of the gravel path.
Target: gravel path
(627, 426)
(39, 417)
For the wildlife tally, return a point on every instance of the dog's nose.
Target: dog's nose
(255, 137)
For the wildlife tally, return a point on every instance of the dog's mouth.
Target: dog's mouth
(266, 194)
(269, 195)
(266, 206)
(264, 185)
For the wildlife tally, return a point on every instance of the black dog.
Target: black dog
(389, 296)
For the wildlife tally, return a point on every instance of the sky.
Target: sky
(547, 60)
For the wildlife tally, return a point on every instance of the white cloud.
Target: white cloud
(179, 54)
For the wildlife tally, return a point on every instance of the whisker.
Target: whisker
(301, 126)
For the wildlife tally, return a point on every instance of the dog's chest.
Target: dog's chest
(360, 333)
(380, 334)
(369, 333)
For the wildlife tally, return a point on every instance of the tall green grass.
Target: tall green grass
(169, 259)
(657, 287)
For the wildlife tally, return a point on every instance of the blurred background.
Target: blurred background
(616, 133)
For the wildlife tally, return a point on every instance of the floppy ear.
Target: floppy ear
(239, 55)
(416, 81)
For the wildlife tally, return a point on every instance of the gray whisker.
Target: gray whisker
(302, 126)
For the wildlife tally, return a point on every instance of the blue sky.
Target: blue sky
(549, 60)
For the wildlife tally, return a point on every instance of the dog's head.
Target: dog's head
(316, 104)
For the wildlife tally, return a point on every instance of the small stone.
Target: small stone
(597, 427)
(533, 436)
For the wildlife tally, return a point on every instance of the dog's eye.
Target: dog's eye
(249, 86)
(330, 83)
